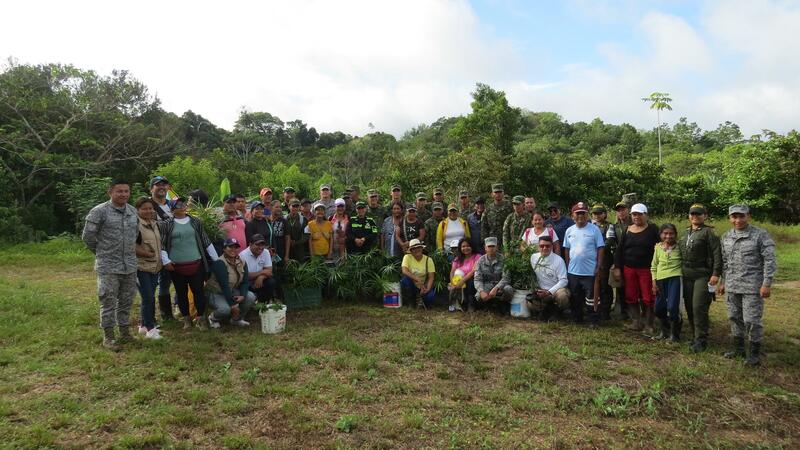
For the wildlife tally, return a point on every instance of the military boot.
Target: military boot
(698, 346)
(649, 328)
(738, 348)
(124, 335)
(754, 358)
(108, 339)
(675, 332)
(636, 318)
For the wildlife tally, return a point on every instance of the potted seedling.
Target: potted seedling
(520, 274)
(304, 284)
(273, 317)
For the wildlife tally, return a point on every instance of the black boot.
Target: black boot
(665, 329)
(676, 331)
(738, 349)
(754, 358)
(698, 346)
(165, 306)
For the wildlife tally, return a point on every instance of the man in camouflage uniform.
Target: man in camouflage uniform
(423, 209)
(491, 280)
(701, 256)
(748, 268)
(465, 206)
(432, 226)
(110, 233)
(514, 225)
(374, 208)
(495, 215)
(438, 195)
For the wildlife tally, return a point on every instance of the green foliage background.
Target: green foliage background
(63, 130)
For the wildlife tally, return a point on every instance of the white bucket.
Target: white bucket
(519, 307)
(392, 298)
(273, 322)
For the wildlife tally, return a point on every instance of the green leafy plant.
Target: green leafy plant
(210, 218)
(518, 268)
(310, 274)
(347, 423)
(264, 307)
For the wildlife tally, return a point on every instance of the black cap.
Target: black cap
(305, 201)
(480, 200)
(158, 179)
(553, 205)
(230, 198)
(258, 239)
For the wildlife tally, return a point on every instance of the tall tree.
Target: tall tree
(659, 101)
(492, 122)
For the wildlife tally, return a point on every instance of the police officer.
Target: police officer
(702, 266)
(514, 225)
(362, 232)
(495, 215)
(748, 268)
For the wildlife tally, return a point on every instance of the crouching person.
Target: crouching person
(493, 291)
(259, 268)
(228, 288)
(552, 294)
(418, 274)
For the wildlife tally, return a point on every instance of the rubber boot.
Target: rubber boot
(738, 349)
(754, 358)
(108, 339)
(676, 331)
(665, 328)
(187, 323)
(165, 306)
(636, 317)
(124, 335)
(649, 329)
(698, 346)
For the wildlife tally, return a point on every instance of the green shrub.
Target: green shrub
(13, 229)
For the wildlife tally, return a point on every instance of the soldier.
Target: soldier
(438, 195)
(432, 226)
(374, 208)
(355, 193)
(530, 205)
(396, 195)
(465, 206)
(514, 225)
(495, 215)
(491, 281)
(325, 199)
(702, 267)
(362, 232)
(599, 215)
(748, 268)
(288, 194)
(110, 233)
(423, 210)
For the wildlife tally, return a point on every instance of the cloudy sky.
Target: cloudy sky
(340, 65)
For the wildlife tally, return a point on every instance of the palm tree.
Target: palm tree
(659, 101)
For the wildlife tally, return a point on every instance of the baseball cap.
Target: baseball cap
(395, 187)
(339, 202)
(318, 206)
(490, 241)
(412, 207)
(620, 205)
(598, 208)
(361, 204)
(231, 242)
(639, 208)
(738, 209)
(324, 186)
(454, 243)
(354, 188)
(230, 198)
(258, 239)
(256, 204)
(437, 205)
(294, 201)
(497, 187)
(462, 194)
(421, 196)
(175, 201)
(438, 190)
(372, 192)
(288, 189)
(518, 199)
(265, 191)
(697, 208)
(580, 207)
(480, 200)
(158, 179)
(305, 201)
(553, 205)
(452, 207)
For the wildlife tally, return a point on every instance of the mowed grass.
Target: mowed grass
(355, 375)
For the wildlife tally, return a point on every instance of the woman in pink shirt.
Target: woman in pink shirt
(462, 287)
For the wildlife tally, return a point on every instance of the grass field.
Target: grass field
(354, 375)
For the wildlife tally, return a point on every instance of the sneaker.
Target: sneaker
(212, 322)
(153, 334)
(451, 308)
(142, 329)
(240, 323)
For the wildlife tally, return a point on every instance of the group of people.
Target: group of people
(581, 264)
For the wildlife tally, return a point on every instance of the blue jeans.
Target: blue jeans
(222, 310)
(408, 286)
(669, 298)
(147, 283)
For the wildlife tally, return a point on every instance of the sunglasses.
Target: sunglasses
(695, 214)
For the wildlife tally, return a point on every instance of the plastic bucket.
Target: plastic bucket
(273, 322)
(519, 307)
(393, 299)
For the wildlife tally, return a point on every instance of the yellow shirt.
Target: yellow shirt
(321, 234)
(419, 268)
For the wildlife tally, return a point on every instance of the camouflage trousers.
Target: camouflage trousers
(116, 292)
(744, 312)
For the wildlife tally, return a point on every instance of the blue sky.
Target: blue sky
(342, 65)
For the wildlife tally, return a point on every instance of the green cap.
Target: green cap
(438, 190)
(462, 194)
(396, 187)
(598, 208)
(498, 187)
(518, 199)
(354, 188)
(452, 207)
(294, 201)
(620, 205)
(372, 192)
(288, 189)
(697, 208)
(421, 196)
(738, 209)
(437, 205)
(360, 204)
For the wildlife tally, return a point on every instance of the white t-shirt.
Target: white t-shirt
(455, 231)
(256, 263)
(530, 237)
(551, 272)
